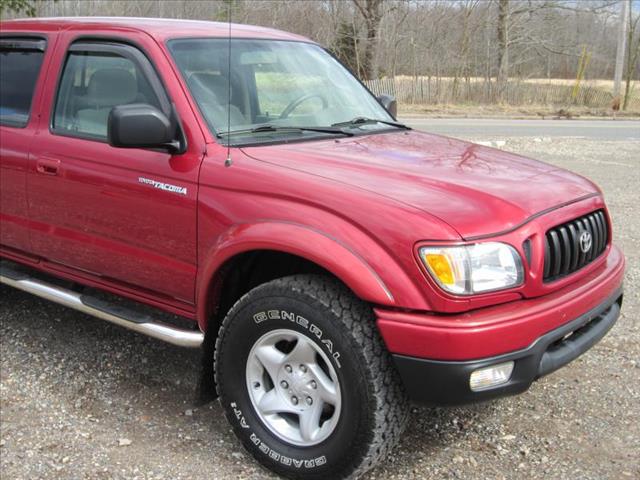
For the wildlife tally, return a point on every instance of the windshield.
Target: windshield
(280, 84)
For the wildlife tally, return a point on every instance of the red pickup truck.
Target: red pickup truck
(331, 262)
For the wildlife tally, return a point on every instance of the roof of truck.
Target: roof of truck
(160, 28)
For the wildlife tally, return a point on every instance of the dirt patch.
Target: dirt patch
(84, 399)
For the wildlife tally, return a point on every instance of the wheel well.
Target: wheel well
(248, 270)
(236, 277)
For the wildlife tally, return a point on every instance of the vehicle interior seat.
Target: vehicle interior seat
(212, 93)
(108, 88)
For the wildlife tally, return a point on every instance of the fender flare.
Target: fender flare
(313, 245)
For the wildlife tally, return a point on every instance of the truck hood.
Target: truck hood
(475, 189)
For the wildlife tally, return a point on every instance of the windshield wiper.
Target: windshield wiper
(275, 128)
(367, 121)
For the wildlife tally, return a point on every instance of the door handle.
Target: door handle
(48, 167)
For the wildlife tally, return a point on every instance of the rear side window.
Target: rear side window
(20, 62)
(92, 84)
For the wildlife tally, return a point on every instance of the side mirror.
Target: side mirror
(390, 104)
(139, 125)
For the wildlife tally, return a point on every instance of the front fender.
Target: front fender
(318, 247)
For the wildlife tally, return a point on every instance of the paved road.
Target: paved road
(592, 129)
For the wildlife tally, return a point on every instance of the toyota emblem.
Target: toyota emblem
(585, 242)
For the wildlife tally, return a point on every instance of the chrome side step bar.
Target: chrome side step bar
(71, 299)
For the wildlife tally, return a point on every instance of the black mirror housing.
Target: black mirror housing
(140, 125)
(390, 104)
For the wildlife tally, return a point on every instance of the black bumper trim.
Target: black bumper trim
(447, 382)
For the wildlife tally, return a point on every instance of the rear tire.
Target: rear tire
(310, 334)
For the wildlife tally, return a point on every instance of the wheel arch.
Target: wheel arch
(268, 243)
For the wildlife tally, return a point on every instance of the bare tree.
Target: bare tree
(633, 53)
(495, 40)
(503, 46)
(371, 11)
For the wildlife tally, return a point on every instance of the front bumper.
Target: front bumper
(447, 382)
(496, 330)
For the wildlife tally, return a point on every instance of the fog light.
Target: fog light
(490, 377)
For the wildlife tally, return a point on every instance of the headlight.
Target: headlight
(477, 268)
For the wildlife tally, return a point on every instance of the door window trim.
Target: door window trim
(26, 41)
(129, 52)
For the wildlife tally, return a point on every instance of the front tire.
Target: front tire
(306, 381)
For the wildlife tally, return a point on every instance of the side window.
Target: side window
(92, 84)
(20, 62)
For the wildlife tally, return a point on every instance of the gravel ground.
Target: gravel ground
(84, 399)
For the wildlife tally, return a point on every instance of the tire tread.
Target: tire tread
(387, 399)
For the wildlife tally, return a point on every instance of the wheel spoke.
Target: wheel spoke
(271, 402)
(271, 359)
(302, 353)
(310, 422)
(326, 387)
(299, 385)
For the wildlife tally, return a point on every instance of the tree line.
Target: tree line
(491, 39)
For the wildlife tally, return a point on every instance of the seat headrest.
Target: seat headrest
(109, 87)
(216, 84)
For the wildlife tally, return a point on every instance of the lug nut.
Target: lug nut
(309, 400)
(288, 368)
(284, 384)
(294, 400)
(256, 384)
(313, 384)
(303, 368)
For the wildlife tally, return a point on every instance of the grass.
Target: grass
(510, 111)
(527, 98)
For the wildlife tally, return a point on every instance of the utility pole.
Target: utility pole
(622, 47)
